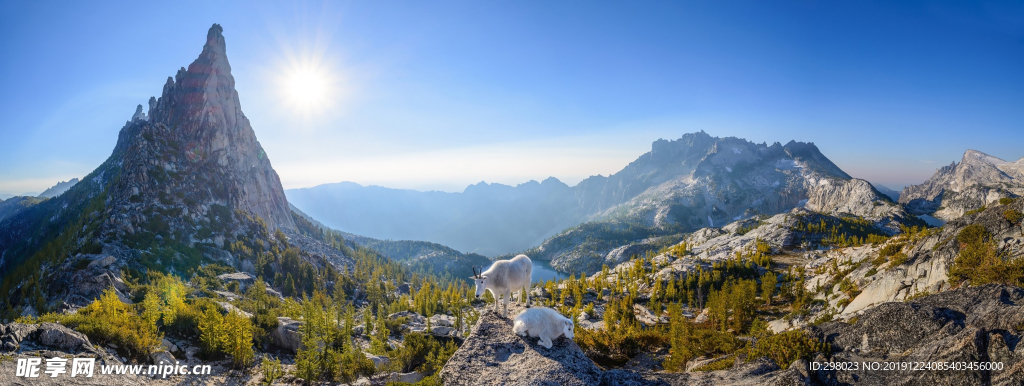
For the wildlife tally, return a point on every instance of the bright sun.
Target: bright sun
(307, 90)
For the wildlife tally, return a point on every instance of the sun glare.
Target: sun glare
(308, 90)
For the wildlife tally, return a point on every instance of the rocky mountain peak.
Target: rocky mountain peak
(977, 180)
(976, 157)
(200, 109)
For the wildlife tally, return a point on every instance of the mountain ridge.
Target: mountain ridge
(687, 183)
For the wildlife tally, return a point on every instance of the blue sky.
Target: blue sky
(438, 95)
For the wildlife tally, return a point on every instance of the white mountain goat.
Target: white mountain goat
(543, 323)
(505, 277)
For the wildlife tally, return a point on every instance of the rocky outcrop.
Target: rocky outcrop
(18, 337)
(968, 325)
(977, 180)
(442, 326)
(286, 335)
(858, 198)
(928, 260)
(243, 279)
(492, 354)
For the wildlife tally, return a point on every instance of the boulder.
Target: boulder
(647, 317)
(442, 331)
(442, 321)
(402, 289)
(286, 335)
(244, 279)
(378, 360)
(228, 307)
(166, 345)
(494, 355)
(65, 339)
(162, 358)
(102, 263)
(413, 317)
(412, 377)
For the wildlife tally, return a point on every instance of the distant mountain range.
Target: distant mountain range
(12, 204)
(58, 189)
(485, 218)
(891, 193)
(680, 185)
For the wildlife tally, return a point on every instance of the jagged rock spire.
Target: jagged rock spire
(201, 108)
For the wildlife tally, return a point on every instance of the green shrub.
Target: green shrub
(109, 320)
(271, 370)
(1006, 201)
(979, 262)
(890, 253)
(421, 352)
(975, 211)
(1013, 216)
(972, 235)
(786, 347)
(721, 364)
(898, 260)
(890, 249)
(688, 341)
(614, 348)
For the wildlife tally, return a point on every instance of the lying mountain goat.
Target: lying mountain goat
(543, 323)
(504, 278)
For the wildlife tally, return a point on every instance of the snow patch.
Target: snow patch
(711, 222)
(737, 150)
(787, 164)
(728, 169)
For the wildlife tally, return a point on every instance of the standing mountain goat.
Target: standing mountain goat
(543, 323)
(504, 278)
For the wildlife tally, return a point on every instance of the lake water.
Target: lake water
(543, 272)
(932, 220)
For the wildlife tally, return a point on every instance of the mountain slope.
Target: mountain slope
(977, 180)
